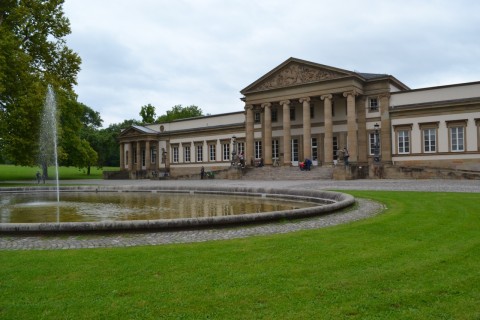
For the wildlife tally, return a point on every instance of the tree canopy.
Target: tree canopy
(178, 112)
(33, 54)
(148, 113)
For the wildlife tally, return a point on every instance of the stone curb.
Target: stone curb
(328, 202)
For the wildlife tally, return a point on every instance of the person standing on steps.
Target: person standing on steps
(346, 155)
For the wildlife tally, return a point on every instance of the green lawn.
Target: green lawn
(11, 172)
(418, 260)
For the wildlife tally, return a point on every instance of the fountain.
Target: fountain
(48, 137)
(25, 209)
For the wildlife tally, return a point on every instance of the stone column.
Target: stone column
(168, 150)
(307, 125)
(181, 158)
(385, 129)
(287, 137)
(122, 156)
(205, 151)
(139, 156)
(219, 150)
(249, 147)
(267, 156)
(363, 142)
(328, 141)
(130, 156)
(147, 155)
(351, 126)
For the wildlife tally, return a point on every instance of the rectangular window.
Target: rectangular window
(175, 154)
(199, 153)
(226, 151)
(257, 117)
(153, 154)
(314, 149)
(457, 138)
(241, 148)
(143, 157)
(275, 149)
(372, 104)
(403, 141)
(186, 154)
(258, 149)
(333, 108)
(430, 140)
(274, 115)
(292, 114)
(135, 155)
(212, 152)
(312, 112)
(372, 141)
(295, 150)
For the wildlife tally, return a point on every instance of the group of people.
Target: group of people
(241, 158)
(206, 175)
(346, 155)
(305, 165)
(40, 177)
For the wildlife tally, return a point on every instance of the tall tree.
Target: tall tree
(90, 133)
(33, 53)
(179, 112)
(108, 148)
(79, 137)
(148, 113)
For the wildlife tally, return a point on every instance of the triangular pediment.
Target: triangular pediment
(294, 72)
(136, 131)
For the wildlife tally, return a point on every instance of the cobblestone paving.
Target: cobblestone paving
(362, 210)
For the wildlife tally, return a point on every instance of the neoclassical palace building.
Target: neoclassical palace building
(304, 110)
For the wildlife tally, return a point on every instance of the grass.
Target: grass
(418, 260)
(14, 173)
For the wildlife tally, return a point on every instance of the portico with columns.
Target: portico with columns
(312, 105)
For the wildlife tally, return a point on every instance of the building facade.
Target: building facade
(304, 110)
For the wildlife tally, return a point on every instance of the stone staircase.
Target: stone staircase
(287, 173)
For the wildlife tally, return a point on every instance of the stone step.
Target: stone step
(287, 173)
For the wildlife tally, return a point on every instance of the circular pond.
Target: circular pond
(122, 208)
(114, 206)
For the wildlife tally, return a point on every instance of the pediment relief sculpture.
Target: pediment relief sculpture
(129, 133)
(295, 74)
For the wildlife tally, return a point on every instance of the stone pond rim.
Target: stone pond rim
(330, 201)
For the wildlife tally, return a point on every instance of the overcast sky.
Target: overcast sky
(203, 52)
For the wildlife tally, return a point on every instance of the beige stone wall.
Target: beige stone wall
(308, 87)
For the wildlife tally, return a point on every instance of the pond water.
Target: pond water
(115, 206)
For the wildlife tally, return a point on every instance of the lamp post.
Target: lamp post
(234, 150)
(376, 150)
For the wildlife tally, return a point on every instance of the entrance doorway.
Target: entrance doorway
(295, 152)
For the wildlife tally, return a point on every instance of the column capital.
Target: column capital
(353, 93)
(249, 107)
(306, 99)
(285, 102)
(326, 96)
(384, 95)
(266, 105)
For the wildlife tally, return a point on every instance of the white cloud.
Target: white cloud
(204, 52)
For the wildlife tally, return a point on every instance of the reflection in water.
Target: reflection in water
(83, 207)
